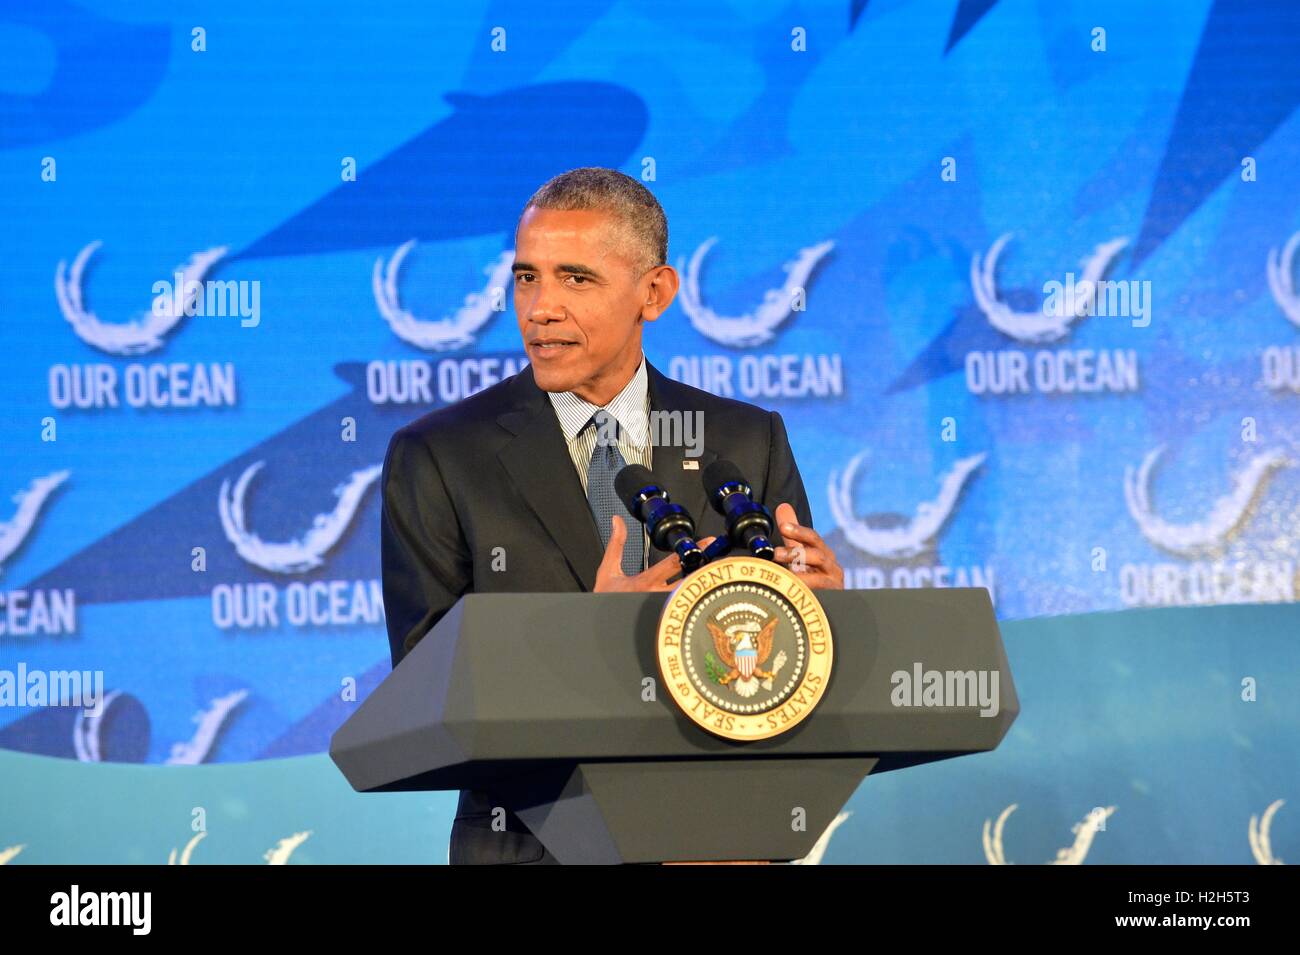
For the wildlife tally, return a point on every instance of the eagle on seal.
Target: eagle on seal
(743, 651)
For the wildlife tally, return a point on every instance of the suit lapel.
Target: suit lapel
(683, 486)
(537, 460)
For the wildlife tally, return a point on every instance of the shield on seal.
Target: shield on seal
(746, 657)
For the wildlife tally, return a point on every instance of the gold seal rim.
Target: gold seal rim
(818, 664)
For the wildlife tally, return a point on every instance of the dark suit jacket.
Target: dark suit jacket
(493, 471)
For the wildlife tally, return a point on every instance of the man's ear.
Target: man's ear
(661, 287)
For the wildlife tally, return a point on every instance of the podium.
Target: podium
(553, 705)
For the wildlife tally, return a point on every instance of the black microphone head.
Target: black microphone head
(721, 472)
(629, 482)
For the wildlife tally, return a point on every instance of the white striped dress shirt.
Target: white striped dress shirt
(630, 407)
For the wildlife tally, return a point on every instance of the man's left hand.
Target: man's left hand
(806, 554)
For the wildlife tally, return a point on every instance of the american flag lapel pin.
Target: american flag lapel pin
(688, 465)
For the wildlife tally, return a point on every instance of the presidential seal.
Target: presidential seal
(744, 648)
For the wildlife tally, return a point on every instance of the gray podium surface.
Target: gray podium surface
(541, 700)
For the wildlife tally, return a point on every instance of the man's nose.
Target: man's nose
(541, 304)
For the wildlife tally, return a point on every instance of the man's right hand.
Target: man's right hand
(610, 577)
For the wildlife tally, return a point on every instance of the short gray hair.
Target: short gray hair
(608, 190)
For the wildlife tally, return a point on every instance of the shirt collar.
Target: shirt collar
(629, 408)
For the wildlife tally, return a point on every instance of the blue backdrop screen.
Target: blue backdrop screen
(1020, 276)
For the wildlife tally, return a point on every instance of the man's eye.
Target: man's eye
(579, 278)
(521, 276)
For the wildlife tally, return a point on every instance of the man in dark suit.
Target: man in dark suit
(509, 490)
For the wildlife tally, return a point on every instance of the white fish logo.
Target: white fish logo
(1036, 328)
(307, 552)
(1281, 278)
(210, 721)
(913, 537)
(140, 335)
(1257, 831)
(814, 856)
(1084, 834)
(280, 852)
(277, 855)
(295, 556)
(751, 328)
(1206, 536)
(85, 730)
(30, 501)
(455, 331)
(188, 851)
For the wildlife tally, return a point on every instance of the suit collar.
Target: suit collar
(537, 460)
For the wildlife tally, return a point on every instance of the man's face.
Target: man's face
(580, 302)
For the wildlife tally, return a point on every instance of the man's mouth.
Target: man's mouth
(551, 344)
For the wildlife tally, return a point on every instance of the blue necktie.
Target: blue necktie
(606, 462)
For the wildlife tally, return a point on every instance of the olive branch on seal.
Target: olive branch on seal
(715, 669)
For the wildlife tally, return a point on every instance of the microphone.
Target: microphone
(749, 524)
(669, 525)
